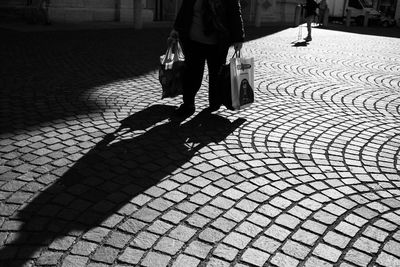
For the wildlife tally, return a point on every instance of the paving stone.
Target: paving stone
(367, 245)
(385, 259)
(299, 212)
(235, 215)
(49, 258)
(169, 245)
(280, 202)
(173, 216)
(198, 249)
(154, 259)
(200, 199)
(143, 240)
(347, 229)
(132, 226)
(237, 240)
(295, 250)
(210, 235)
(83, 248)
(246, 205)
(314, 226)
(267, 244)
(182, 233)
(146, 215)
(287, 221)
(277, 232)
(197, 220)
(311, 262)
(74, 261)
(62, 243)
(259, 219)
(255, 257)
(336, 239)
(357, 257)
(118, 240)
(249, 229)
(327, 252)
(186, 261)
(393, 248)
(105, 255)
(225, 252)
(283, 260)
(187, 207)
(214, 262)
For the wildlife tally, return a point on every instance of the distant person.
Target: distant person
(310, 13)
(322, 9)
(39, 11)
(206, 30)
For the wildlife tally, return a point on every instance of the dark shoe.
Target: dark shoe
(308, 39)
(184, 111)
(213, 108)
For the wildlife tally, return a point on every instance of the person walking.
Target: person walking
(310, 13)
(322, 9)
(206, 29)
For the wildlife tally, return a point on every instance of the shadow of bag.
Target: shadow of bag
(171, 71)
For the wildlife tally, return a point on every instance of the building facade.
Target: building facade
(278, 11)
(142, 11)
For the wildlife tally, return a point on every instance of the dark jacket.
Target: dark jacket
(310, 8)
(227, 21)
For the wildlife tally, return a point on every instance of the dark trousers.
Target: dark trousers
(196, 54)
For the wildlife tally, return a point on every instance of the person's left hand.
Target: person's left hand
(238, 46)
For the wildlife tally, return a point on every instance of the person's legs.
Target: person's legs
(195, 60)
(215, 59)
(309, 20)
(44, 9)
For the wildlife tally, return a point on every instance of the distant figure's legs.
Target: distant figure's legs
(309, 20)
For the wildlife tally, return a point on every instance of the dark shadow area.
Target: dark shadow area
(371, 30)
(121, 166)
(45, 74)
(300, 43)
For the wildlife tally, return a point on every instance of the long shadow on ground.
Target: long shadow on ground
(44, 75)
(101, 183)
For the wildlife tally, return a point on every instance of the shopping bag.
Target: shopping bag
(171, 71)
(242, 81)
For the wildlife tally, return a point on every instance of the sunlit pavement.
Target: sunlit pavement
(93, 173)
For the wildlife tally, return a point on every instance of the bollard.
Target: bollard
(137, 14)
(366, 18)
(348, 17)
(297, 16)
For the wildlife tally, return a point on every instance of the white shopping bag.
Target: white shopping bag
(242, 81)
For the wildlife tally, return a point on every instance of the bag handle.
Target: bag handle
(168, 53)
(178, 51)
(236, 54)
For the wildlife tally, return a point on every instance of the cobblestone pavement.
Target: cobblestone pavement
(94, 174)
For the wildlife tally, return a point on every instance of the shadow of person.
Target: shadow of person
(137, 156)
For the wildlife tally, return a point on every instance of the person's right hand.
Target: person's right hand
(173, 37)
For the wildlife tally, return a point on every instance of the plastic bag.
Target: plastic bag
(242, 82)
(236, 81)
(171, 71)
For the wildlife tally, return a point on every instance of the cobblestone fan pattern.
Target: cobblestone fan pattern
(94, 174)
